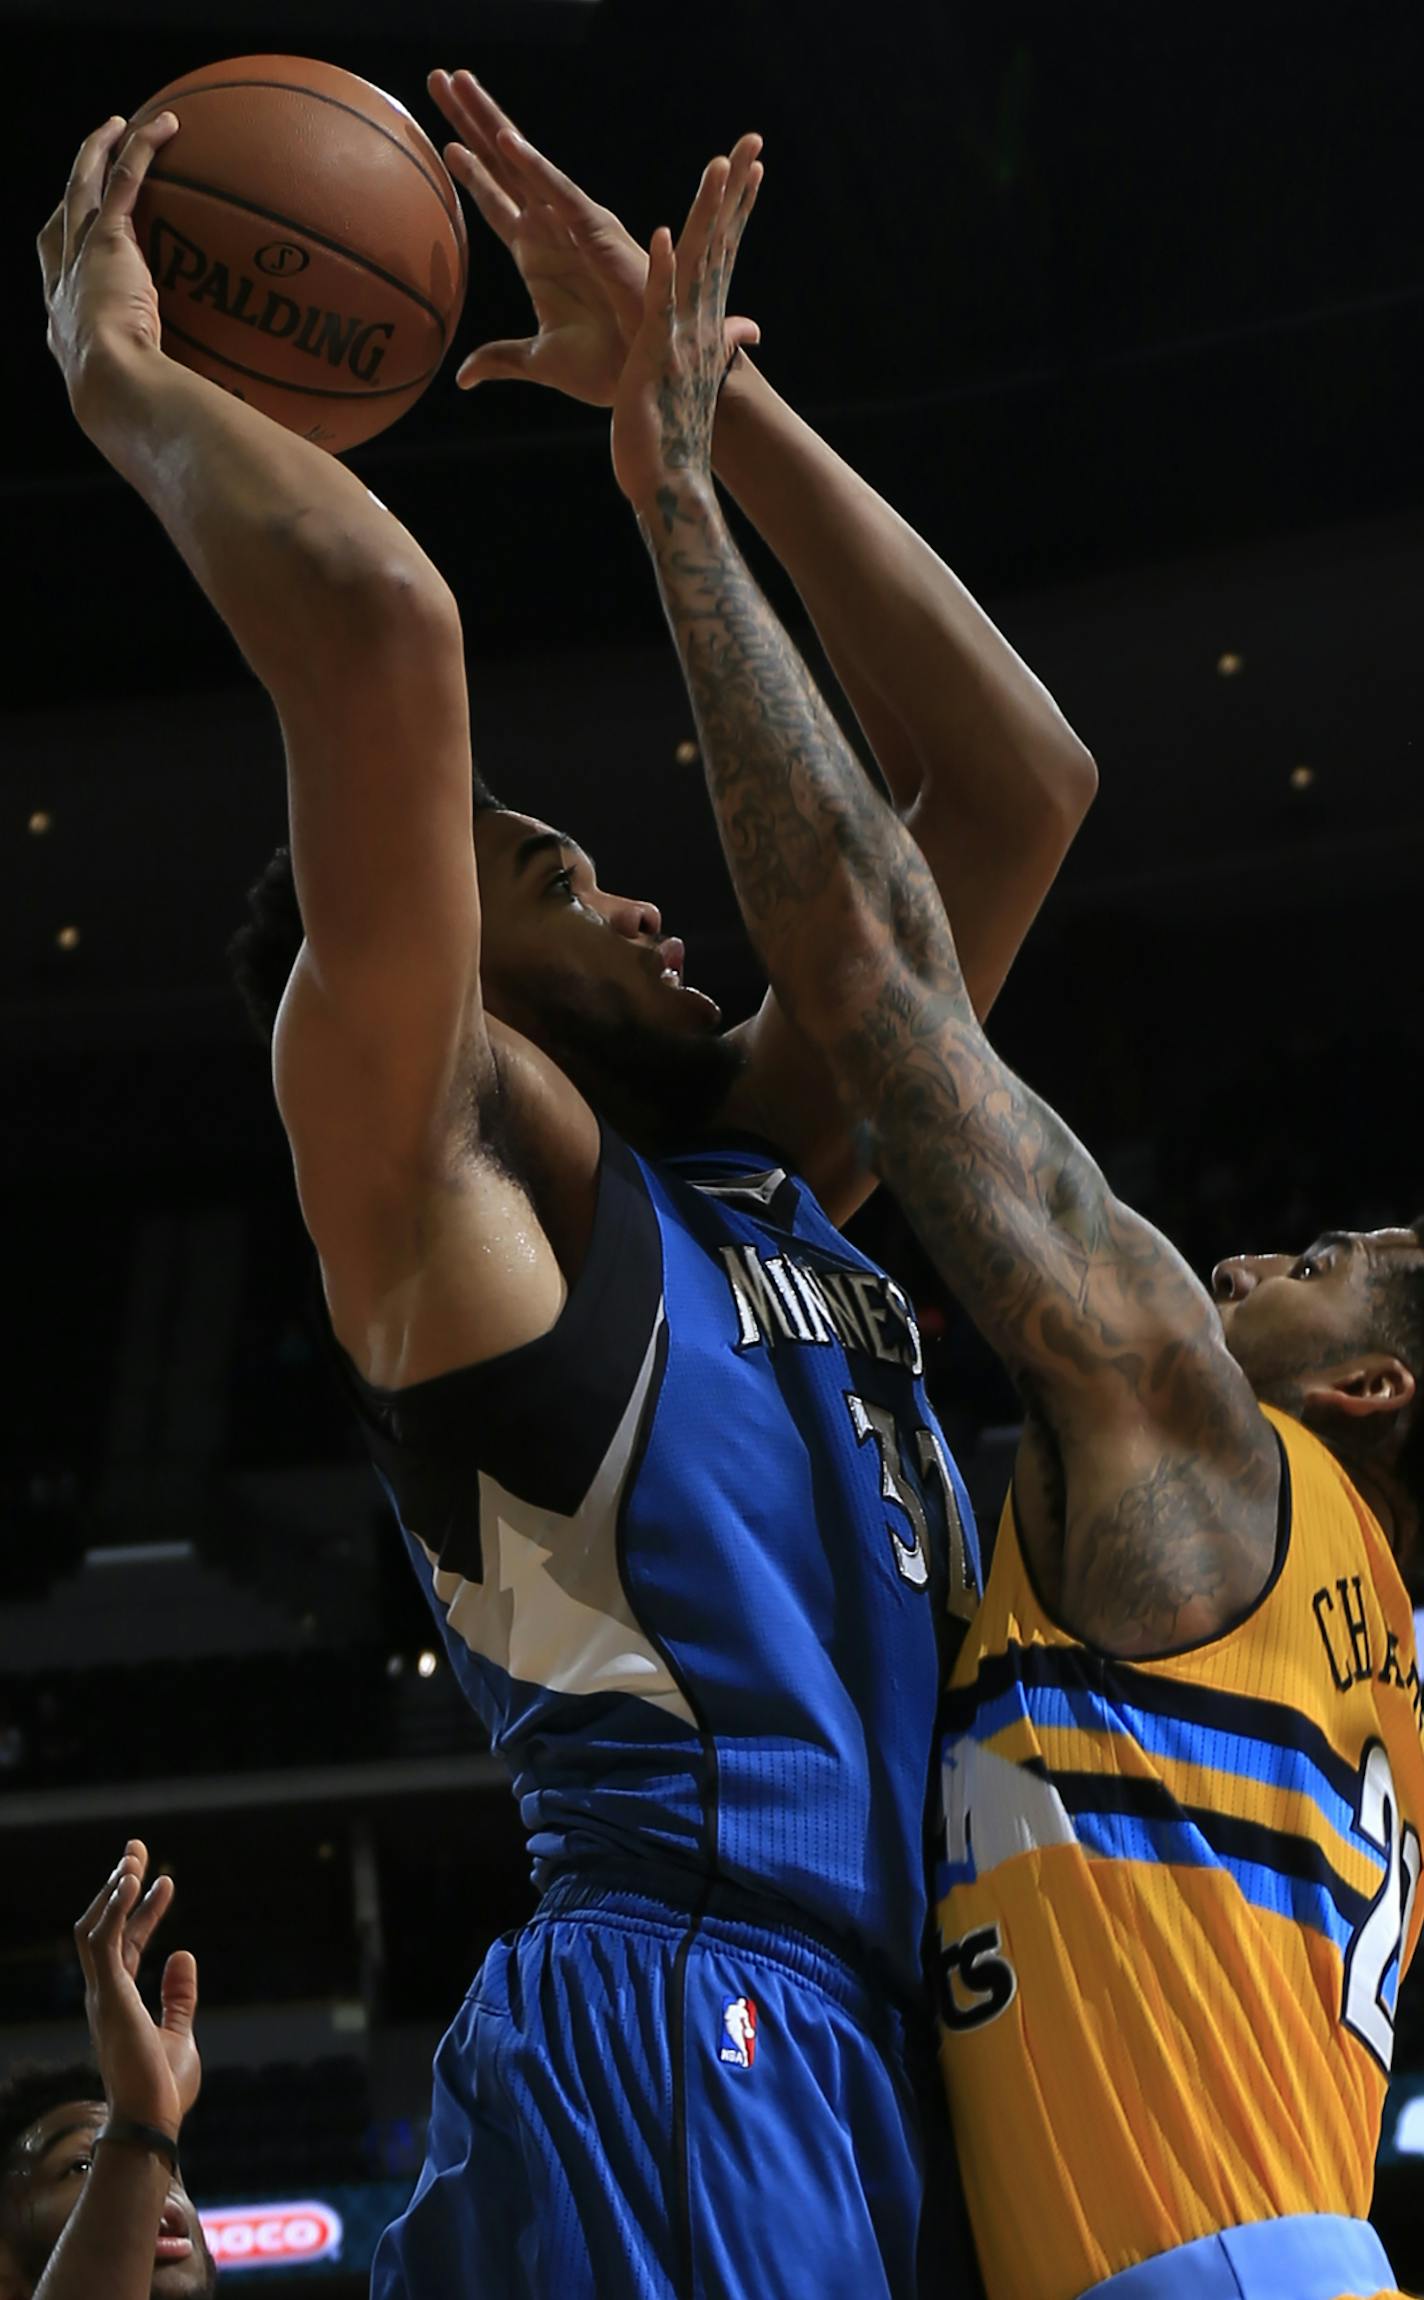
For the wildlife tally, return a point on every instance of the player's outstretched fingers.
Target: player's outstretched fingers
(477, 118)
(178, 1992)
(86, 1925)
(694, 241)
(84, 191)
(660, 294)
(508, 358)
(106, 1937)
(500, 212)
(542, 180)
(131, 164)
(743, 182)
(146, 1918)
(64, 235)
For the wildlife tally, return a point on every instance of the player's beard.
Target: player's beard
(1292, 1375)
(205, 2282)
(1283, 1366)
(659, 1086)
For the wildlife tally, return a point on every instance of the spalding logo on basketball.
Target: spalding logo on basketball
(306, 242)
(281, 258)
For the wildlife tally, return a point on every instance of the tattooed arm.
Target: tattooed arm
(1152, 1514)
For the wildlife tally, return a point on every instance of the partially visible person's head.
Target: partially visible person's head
(263, 951)
(591, 978)
(50, 2117)
(588, 976)
(1335, 1336)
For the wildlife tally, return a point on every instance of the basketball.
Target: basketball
(306, 242)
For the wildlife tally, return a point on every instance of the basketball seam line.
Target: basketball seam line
(296, 88)
(307, 390)
(291, 224)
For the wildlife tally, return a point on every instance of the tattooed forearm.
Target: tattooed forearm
(818, 859)
(1107, 1331)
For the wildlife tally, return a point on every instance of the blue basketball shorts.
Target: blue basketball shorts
(636, 2102)
(1306, 2256)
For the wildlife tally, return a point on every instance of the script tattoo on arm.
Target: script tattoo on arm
(1169, 1472)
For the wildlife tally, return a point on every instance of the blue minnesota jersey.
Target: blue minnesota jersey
(700, 1556)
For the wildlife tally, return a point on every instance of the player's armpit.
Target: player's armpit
(433, 1251)
(1151, 1555)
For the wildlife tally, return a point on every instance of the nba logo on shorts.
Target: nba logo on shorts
(739, 2032)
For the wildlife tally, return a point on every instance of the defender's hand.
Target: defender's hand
(150, 2072)
(97, 286)
(667, 398)
(585, 273)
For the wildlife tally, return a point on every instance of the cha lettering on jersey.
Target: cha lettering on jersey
(781, 1298)
(1359, 1644)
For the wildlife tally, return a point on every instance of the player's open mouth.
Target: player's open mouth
(666, 959)
(672, 957)
(174, 2242)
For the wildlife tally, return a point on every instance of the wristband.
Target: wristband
(149, 2136)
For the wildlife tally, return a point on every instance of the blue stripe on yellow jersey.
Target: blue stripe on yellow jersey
(1176, 1900)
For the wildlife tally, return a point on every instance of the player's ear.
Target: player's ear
(1374, 1383)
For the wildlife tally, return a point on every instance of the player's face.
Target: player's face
(1287, 1317)
(546, 918)
(51, 2162)
(589, 976)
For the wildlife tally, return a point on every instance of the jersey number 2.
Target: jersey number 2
(1375, 1956)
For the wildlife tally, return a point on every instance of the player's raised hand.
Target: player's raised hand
(667, 396)
(97, 286)
(150, 2070)
(585, 273)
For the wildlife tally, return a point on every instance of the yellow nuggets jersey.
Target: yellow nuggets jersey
(1177, 1901)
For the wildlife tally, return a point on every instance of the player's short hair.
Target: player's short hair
(263, 951)
(1397, 1325)
(30, 2088)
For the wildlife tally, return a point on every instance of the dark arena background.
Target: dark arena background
(1123, 307)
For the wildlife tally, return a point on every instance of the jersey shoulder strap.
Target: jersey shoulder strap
(539, 1419)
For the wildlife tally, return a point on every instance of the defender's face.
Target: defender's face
(1287, 1315)
(555, 945)
(50, 2164)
